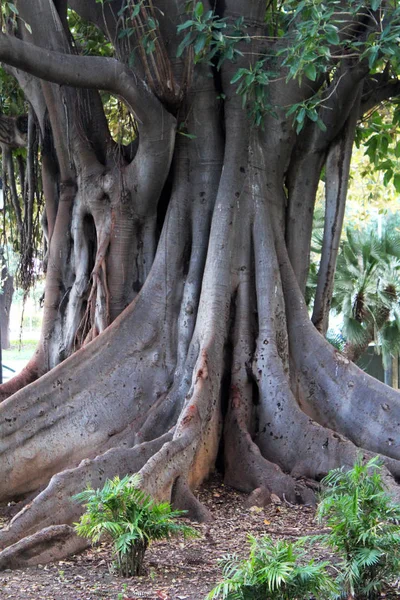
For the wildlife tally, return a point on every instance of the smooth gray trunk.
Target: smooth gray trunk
(175, 331)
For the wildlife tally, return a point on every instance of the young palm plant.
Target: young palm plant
(366, 293)
(273, 571)
(365, 529)
(131, 518)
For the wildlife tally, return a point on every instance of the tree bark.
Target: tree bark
(175, 333)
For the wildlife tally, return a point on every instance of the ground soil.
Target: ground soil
(177, 569)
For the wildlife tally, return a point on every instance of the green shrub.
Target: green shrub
(273, 571)
(364, 529)
(131, 518)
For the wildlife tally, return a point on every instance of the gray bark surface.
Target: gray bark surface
(175, 333)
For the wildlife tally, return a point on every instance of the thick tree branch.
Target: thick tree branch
(335, 109)
(377, 91)
(88, 72)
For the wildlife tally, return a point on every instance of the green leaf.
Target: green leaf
(135, 11)
(301, 115)
(292, 109)
(387, 176)
(184, 44)
(185, 25)
(199, 10)
(310, 71)
(191, 136)
(13, 8)
(312, 115)
(200, 43)
(396, 182)
(372, 55)
(238, 75)
(333, 38)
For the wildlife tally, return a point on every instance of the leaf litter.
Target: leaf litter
(176, 569)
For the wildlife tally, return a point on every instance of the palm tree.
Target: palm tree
(367, 293)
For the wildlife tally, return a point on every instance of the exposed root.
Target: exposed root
(182, 498)
(333, 390)
(29, 373)
(55, 507)
(245, 467)
(204, 345)
(48, 545)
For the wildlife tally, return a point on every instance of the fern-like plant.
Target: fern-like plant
(365, 529)
(273, 571)
(131, 518)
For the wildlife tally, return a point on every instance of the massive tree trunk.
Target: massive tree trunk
(182, 266)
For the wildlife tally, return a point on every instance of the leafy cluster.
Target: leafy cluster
(365, 529)
(273, 571)
(87, 38)
(367, 288)
(366, 294)
(321, 34)
(254, 90)
(318, 35)
(213, 39)
(145, 28)
(129, 516)
(364, 533)
(379, 135)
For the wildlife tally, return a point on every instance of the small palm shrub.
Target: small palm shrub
(364, 529)
(273, 571)
(131, 518)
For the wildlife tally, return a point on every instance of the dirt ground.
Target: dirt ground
(176, 570)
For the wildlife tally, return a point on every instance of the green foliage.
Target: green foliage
(12, 101)
(212, 37)
(253, 88)
(367, 288)
(364, 528)
(320, 35)
(87, 38)
(307, 109)
(8, 16)
(379, 134)
(310, 38)
(130, 517)
(273, 571)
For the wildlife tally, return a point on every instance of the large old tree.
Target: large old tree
(175, 333)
